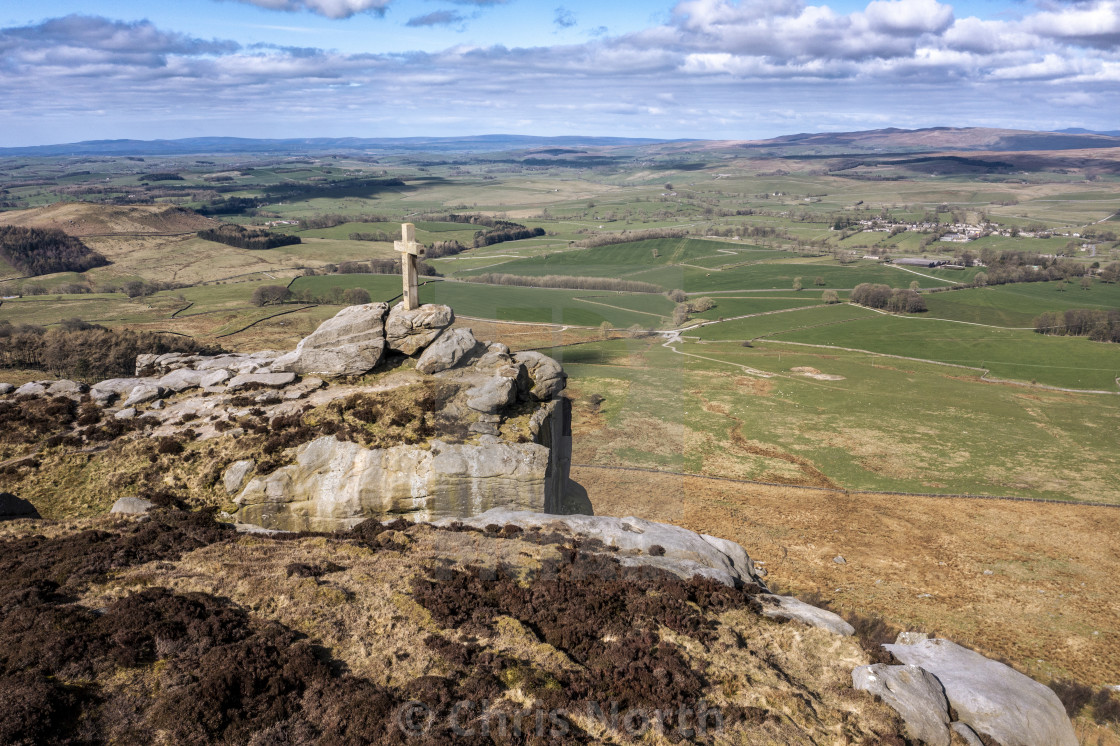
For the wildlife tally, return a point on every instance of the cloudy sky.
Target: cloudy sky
(741, 69)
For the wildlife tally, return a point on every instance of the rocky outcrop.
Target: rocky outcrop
(991, 698)
(678, 550)
(349, 344)
(915, 694)
(337, 485)
(411, 331)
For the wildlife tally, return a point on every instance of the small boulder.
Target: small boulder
(838, 559)
(12, 507)
(181, 379)
(411, 331)
(214, 378)
(492, 395)
(915, 694)
(144, 393)
(105, 392)
(235, 476)
(452, 348)
(31, 389)
(547, 376)
(131, 506)
(990, 697)
(349, 344)
(267, 380)
(788, 607)
(65, 387)
(6, 388)
(128, 413)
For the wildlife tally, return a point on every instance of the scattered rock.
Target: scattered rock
(839, 560)
(915, 694)
(788, 607)
(910, 638)
(349, 344)
(989, 572)
(687, 553)
(158, 404)
(237, 473)
(449, 350)
(31, 389)
(484, 428)
(131, 506)
(991, 698)
(269, 380)
(12, 507)
(411, 331)
(143, 393)
(547, 376)
(128, 413)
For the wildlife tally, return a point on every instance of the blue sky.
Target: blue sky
(726, 69)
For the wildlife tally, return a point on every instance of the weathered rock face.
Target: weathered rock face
(915, 694)
(449, 350)
(991, 698)
(349, 344)
(337, 485)
(548, 378)
(411, 331)
(788, 607)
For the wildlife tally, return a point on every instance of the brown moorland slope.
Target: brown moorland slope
(1048, 604)
(89, 219)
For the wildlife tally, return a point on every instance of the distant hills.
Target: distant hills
(882, 141)
(198, 145)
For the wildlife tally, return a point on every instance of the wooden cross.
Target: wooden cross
(410, 255)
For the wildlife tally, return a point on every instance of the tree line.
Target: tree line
(886, 297)
(609, 239)
(508, 232)
(565, 282)
(243, 238)
(41, 251)
(77, 349)
(1097, 324)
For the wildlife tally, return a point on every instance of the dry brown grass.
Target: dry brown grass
(1048, 606)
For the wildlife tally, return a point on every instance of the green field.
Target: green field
(885, 425)
(1018, 305)
(1022, 355)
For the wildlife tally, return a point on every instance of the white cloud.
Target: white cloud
(328, 8)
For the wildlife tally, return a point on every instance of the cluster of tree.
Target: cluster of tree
(508, 232)
(468, 218)
(331, 220)
(77, 349)
(1011, 267)
(1096, 324)
(244, 238)
(379, 267)
(270, 295)
(164, 176)
(1110, 272)
(375, 236)
(41, 251)
(231, 206)
(685, 308)
(609, 239)
(884, 296)
(566, 281)
(444, 248)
